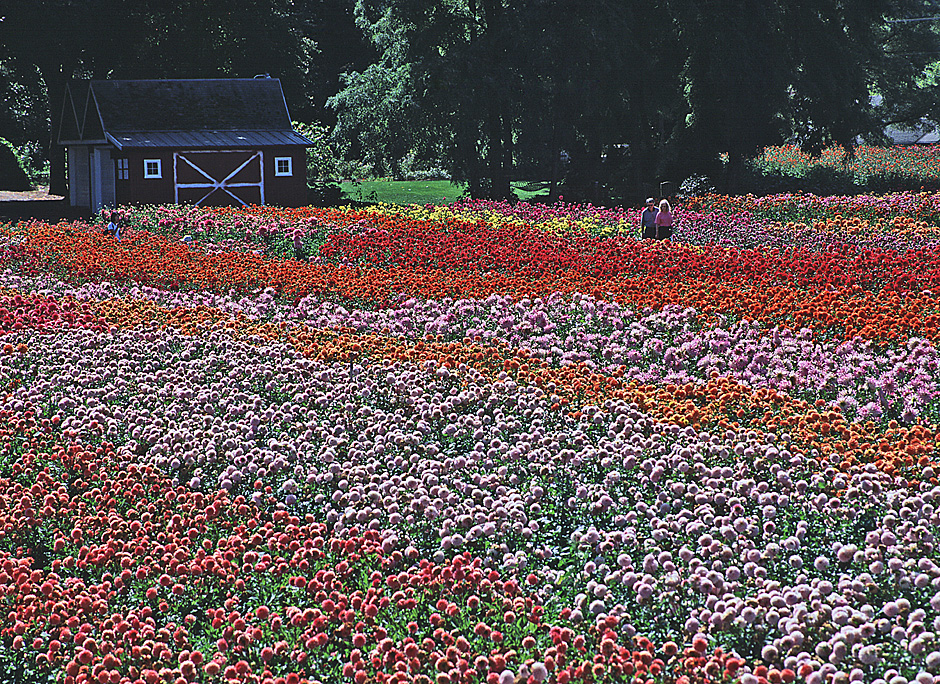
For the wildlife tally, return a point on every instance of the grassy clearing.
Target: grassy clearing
(426, 192)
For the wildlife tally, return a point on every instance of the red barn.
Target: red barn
(196, 141)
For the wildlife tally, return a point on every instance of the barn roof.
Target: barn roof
(201, 113)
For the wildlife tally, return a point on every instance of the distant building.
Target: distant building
(925, 132)
(205, 142)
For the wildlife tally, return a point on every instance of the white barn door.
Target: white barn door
(209, 177)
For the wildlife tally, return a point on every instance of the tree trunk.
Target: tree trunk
(466, 136)
(507, 156)
(499, 186)
(555, 160)
(467, 162)
(494, 125)
(55, 77)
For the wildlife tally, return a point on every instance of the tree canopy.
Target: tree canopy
(670, 88)
(605, 93)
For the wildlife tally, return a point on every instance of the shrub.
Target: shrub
(12, 175)
(33, 161)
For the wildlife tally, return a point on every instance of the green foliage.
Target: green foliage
(799, 72)
(630, 96)
(324, 162)
(324, 193)
(24, 117)
(321, 159)
(696, 186)
(868, 169)
(414, 168)
(14, 670)
(239, 38)
(485, 91)
(402, 105)
(64, 39)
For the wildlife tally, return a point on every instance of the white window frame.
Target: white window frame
(123, 168)
(290, 166)
(159, 173)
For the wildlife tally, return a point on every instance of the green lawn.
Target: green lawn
(425, 192)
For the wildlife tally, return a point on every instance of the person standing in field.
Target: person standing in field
(113, 229)
(664, 221)
(300, 254)
(648, 220)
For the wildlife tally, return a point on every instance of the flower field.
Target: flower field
(475, 443)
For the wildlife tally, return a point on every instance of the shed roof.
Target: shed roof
(925, 133)
(178, 113)
(204, 139)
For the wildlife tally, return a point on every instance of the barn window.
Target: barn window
(153, 168)
(123, 169)
(283, 167)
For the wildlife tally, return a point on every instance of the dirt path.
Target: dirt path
(37, 204)
(39, 194)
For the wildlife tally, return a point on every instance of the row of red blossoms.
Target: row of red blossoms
(530, 253)
(655, 278)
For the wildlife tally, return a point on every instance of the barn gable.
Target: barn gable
(70, 127)
(80, 121)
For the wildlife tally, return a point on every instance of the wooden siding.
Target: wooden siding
(104, 168)
(139, 190)
(121, 187)
(285, 191)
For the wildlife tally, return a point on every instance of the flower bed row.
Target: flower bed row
(671, 346)
(912, 161)
(922, 207)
